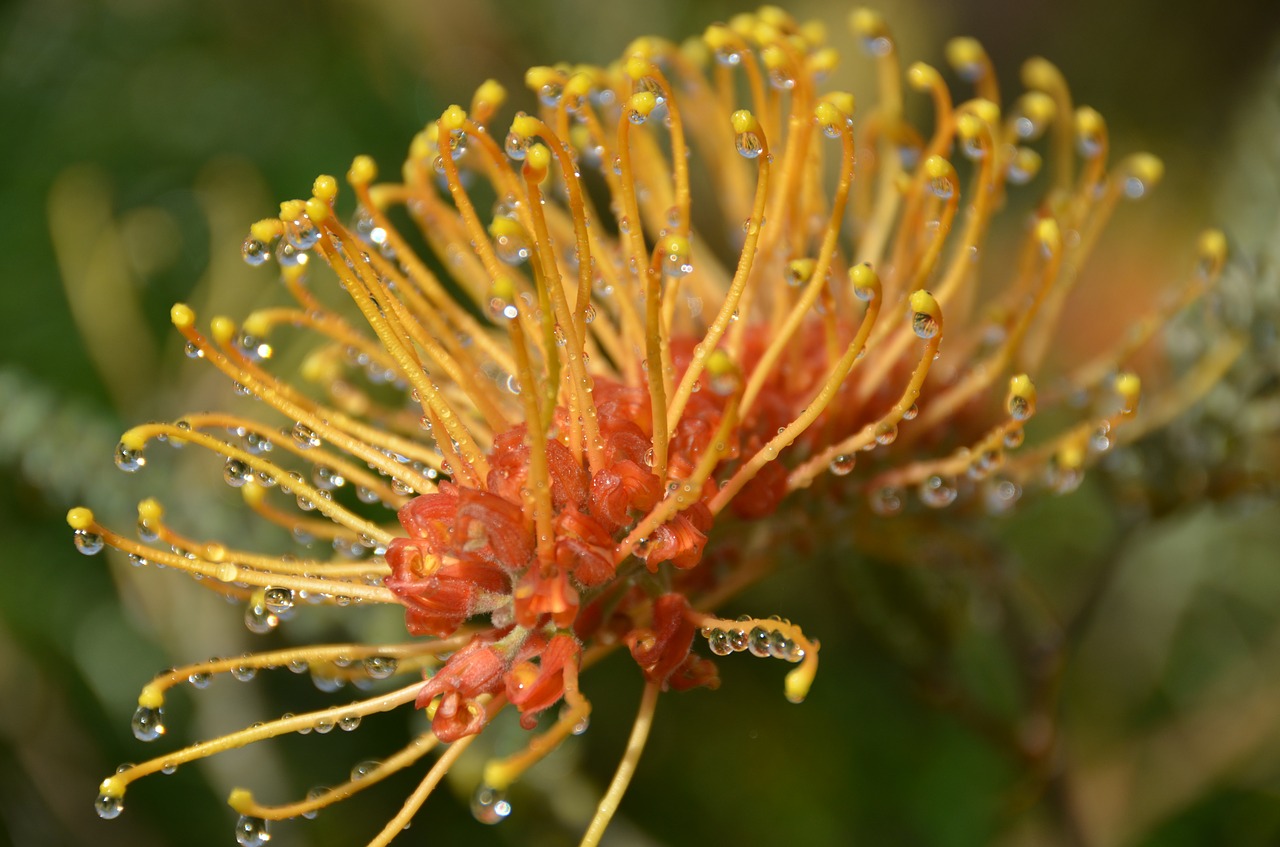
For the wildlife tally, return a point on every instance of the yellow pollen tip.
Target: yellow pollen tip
(241, 799)
(969, 126)
(985, 110)
(503, 288)
(420, 147)
(923, 77)
(720, 363)
(452, 118)
(524, 125)
(773, 57)
(150, 510)
(867, 23)
(1145, 167)
(80, 518)
(923, 303)
(1129, 387)
(1021, 401)
(1038, 72)
(814, 32)
(1049, 234)
(182, 315)
(133, 440)
(797, 683)
(842, 100)
(319, 367)
(864, 279)
(1213, 249)
(1027, 161)
(325, 188)
(362, 171)
(579, 86)
(112, 786)
(638, 66)
(824, 61)
(253, 493)
(222, 329)
(151, 696)
(718, 37)
(936, 167)
(776, 16)
(537, 160)
(267, 230)
(1070, 457)
(538, 77)
(964, 53)
(317, 209)
(1089, 122)
(744, 121)
(491, 94)
(828, 115)
(505, 227)
(642, 103)
(801, 270)
(743, 24)
(291, 210)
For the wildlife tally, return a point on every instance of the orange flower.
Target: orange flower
(574, 421)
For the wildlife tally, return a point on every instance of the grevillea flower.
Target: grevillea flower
(537, 429)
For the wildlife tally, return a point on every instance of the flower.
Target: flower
(572, 406)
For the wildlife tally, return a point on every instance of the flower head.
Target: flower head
(535, 429)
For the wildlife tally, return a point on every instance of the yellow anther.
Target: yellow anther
(420, 147)
(797, 683)
(502, 227)
(645, 47)
(150, 510)
(985, 110)
(842, 100)
(537, 161)
(695, 52)
(253, 493)
(744, 121)
(578, 86)
(1038, 72)
(151, 696)
(773, 57)
(291, 210)
(362, 171)
(267, 230)
(923, 77)
(814, 32)
(966, 56)
(801, 270)
(937, 168)
(642, 103)
(1146, 169)
(824, 61)
(1089, 123)
(1212, 248)
(112, 786)
(1129, 387)
(1026, 162)
(241, 800)
(638, 67)
(718, 37)
(1070, 457)
(257, 323)
(541, 76)
(676, 245)
(319, 367)
(318, 210)
(1049, 234)
(743, 25)
(969, 126)
(923, 303)
(776, 17)
(80, 518)
(133, 440)
(828, 115)
(525, 126)
(1021, 401)
(182, 315)
(222, 329)
(867, 23)
(451, 119)
(720, 363)
(325, 188)
(489, 97)
(865, 282)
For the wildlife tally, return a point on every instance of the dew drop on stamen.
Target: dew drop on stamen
(258, 620)
(363, 769)
(718, 641)
(304, 436)
(88, 543)
(886, 501)
(489, 805)
(244, 673)
(199, 680)
(843, 464)
(349, 723)
(380, 667)
(749, 145)
(937, 492)
(254, 252)
(148, 724)
(129, 460)
(886, 434)
(278, 601)
(236, 473)
(108, 806)
(314, 794)
(924, 325)
(252, 832)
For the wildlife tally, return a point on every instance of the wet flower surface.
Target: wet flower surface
(579, 367)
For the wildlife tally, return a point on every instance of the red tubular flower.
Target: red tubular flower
(660, 649)
(584, 548)
(439, 595)
(537, 595)
(534, 687)
(474, 670)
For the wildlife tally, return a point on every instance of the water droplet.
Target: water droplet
(244, 673)
(886, 434)
(324, 725)
(236, 473)
(516, 146)
(363, 769)
(347, 723)
(88, 543)
(749, 145)
(380, 667)
(1020, 407)
(912, 413)
(304, 436)
(886, 502)
(937, 492)
(511, 248)
(199, 680)
(489, 805)
(278, 601)
(254, 252)
(289, 256)
(924, 325)
(109, 806)
(718, 641)
(258, 620)
(129, 460)
(252, 832)
(314, 794)
(842, 465)
(728, 58)
(1013, 438)
(366, 495)
(148, 724)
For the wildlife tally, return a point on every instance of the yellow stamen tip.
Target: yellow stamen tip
(969, 126)
(923, 303)
(964, 53)
(267, 230)
(151, 697)
(938, 168)
(222, 329)
(814, 32)
(150, 510)
(182, 315)
(491, 95)
(824, 61)
(362, 171)
(986, 110)
(744, 121)
(867, 23)
(923, 77)
(638, 66)
(537, 160)
(842, 100)
(773, 57)
(1129, 387)
(1049, 234)
(1038, 72)
(133, 440)
(241, 799)
(720, 363)
(540, 76)
(291, 210)
(1213, 249)
(642, 102)
(317, 209)
(798, 682)
(452, 118)
(112, 786)
(253, 493)
(718, 37)
(80, 518)
(828, 115)
(325, 188)
(1021, 401)
(865, 282)
(1145, 168)
(1070, 457)
(525, 126)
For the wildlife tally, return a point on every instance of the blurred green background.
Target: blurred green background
(140, 137)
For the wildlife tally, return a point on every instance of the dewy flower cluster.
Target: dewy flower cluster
(535, 435)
